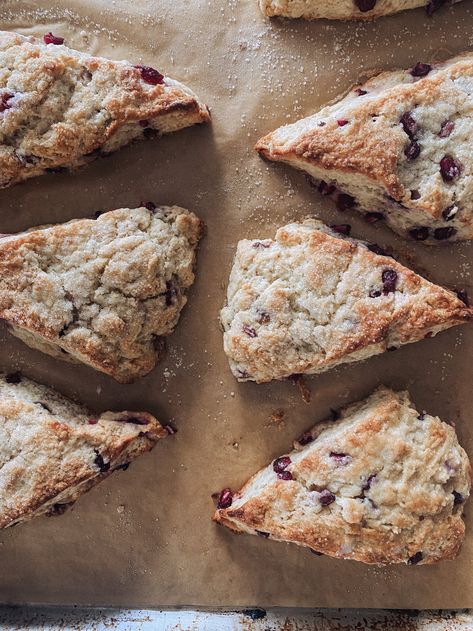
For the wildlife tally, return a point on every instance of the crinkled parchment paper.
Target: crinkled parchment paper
(144, 537)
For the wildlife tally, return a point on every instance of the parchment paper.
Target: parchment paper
(144, 537)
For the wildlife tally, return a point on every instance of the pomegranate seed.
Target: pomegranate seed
(341, 458)
(285, 475)
(446, 129)
(4, 101)
(150, 75)
(326, 497)
(49, 38)
(449, 168)
(419, 234)
(412, 151)
(389, 278)
(415, 194)
(441, 234)
(305, 438)
(365, 5)
(376, 249)
(360, 92)
(409, 124)
(341, 122)
(341, 228)
(93, 421)
(249, 330)
(280, 464)
(421, 69)
(225, 499)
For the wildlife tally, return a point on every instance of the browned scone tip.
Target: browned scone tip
(83, 106)
(54, 450)
(103, 292)
(383, 484)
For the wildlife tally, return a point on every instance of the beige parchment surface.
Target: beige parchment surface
(144, 537)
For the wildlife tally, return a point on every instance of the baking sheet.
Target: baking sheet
(144, 537)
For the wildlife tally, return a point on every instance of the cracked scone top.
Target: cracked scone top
(310, 300)
(102, 291)
(397, 146)
(345, 9)
(60, 108)
(383, 484)
(53, 450)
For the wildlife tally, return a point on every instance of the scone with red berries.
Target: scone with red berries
(396, 148)
(382, 484)
(61, 108)
(104, 292)
(346, 9)
(311, 299)
(53, 450)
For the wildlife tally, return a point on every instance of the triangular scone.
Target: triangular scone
(53, 450)
(310, 300)
(396, 147)
(384, 484)
(103, 292)
(345, 9)
(60, 108)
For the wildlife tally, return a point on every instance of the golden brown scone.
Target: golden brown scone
(53, 450)
(383, 484)
(311, 299)
(103, 292)
(396, 148)
(60, 108)
(345, 9)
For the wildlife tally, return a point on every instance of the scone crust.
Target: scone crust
(336, 9)
(53, 450)
(104, 292)
(393, 473)
(82, 106)
(359, 143)
(309, 300)
(333, 9)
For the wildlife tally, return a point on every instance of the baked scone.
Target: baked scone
(396, 148)
(103, 292)
(60, 108)
(53, 450)
(383, 484)
(345, 9)
(312, 299)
